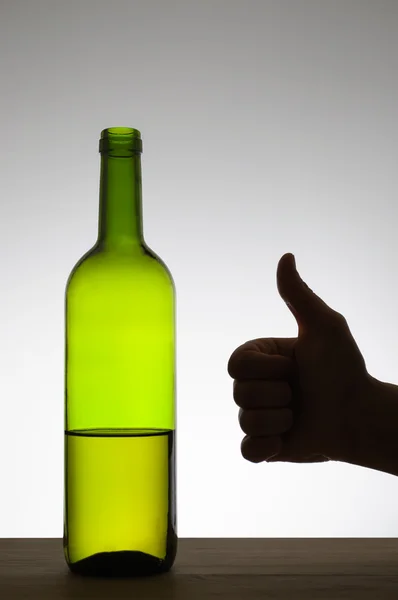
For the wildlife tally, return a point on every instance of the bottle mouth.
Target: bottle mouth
(120, 141)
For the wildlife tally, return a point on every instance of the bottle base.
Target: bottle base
(120, 564)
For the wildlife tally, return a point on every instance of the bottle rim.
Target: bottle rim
(120, 141)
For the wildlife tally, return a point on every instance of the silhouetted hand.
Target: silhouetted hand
(301, 398)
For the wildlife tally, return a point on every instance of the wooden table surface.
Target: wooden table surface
(244, 569)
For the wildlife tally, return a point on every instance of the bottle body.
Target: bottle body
(120, 505)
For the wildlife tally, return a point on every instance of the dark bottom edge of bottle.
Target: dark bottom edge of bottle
(121, 564)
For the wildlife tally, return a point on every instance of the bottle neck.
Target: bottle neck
(120, 212)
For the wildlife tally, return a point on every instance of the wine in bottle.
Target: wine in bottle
(120, 504)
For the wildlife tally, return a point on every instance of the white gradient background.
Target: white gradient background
(269, 127)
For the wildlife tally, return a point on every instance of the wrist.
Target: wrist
(372, 433)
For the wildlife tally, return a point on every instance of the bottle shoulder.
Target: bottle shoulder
(128, 266)
(160, 262)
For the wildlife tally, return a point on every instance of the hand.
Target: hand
(301, 397)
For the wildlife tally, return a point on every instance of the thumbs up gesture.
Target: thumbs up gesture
(300, 398)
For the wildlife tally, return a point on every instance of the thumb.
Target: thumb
(307, 308)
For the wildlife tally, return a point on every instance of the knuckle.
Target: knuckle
(234, 363)
(261, 394)
(340, 318)
(237, 392)
(231, 365)
(245, 448)
(246, 393)
(336, 321)
(246, 422)
(239, 359)
(243, 418)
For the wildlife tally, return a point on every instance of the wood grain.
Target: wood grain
(244, 569)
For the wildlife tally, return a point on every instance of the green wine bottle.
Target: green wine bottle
(120, 503)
